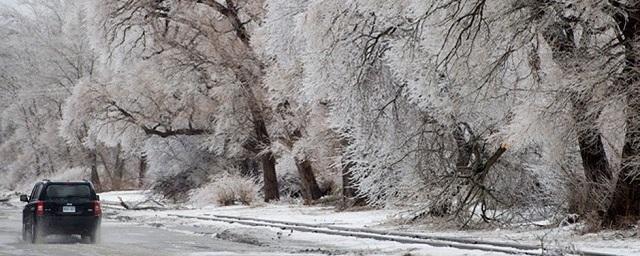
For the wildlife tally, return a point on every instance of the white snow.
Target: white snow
(130, 196)
(566, 238)
(307, 214)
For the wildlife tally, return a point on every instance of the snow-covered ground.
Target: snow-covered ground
(127, 196)
(613, 242)
(566, 238)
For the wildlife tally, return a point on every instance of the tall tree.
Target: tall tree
(625, 202)
(212, 44)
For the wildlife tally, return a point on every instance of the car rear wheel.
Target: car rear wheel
(90, 238)
(37, 235)
(25, 233)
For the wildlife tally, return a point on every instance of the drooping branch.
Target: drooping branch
(174, 132)
(164, 133)
(231, 12)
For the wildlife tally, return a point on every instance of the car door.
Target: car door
(29, 209)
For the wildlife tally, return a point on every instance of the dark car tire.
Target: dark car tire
(25, 233)
(37, 235)
(86, 239)
(90, 238)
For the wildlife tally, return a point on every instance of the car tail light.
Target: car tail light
(39, 208)
(97, 211)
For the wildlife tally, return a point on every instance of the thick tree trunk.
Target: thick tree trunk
(465, 148)
(350, 196)
(267, 161)
(310, 189)
(250, 77)
(595, 164)
(625, 203)
(268, 164)
(592, 152)
(142, 170)
(107, 169)
(594, 158)
(95, 177)
(271, 191)
(263, 140)
(349, 191)
(117, 183)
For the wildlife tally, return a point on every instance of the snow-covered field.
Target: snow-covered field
(564, 238)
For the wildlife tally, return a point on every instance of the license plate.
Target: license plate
(68, 209)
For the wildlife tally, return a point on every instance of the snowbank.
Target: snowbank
(132, 196)
(612, 242)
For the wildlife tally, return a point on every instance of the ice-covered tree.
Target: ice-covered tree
(204, 63)
(43, 53)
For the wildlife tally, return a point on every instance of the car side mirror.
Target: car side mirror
(24, 198)
(98, 197)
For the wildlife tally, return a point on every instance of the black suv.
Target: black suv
(61, 208)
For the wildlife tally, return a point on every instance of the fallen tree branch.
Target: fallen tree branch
(138, 207)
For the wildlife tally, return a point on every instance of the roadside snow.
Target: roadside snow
(612, 242)
(131, 196)
(305, 214)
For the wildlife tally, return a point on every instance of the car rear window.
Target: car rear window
(67, 190)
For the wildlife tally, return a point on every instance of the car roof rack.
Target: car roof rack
(45, 180)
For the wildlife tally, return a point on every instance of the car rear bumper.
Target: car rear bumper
(68, 224)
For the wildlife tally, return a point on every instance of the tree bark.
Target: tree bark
(142, 170)
(349, 191)
(107, 170)
(262, 138)
(118, 169)
(350, 194)
(271, 191)
(625, 203)
(592, 153)
(310, 189)
(95, 177)
(465, 148)
(595, 163)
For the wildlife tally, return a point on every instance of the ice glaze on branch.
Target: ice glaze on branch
(164, 133)
(231, 12)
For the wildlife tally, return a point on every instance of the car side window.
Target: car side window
(35, 193)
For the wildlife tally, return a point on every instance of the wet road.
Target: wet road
(118, 239)
(184, 239)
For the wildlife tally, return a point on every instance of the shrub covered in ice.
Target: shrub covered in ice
(227, 189)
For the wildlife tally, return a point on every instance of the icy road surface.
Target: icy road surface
(119, 239)
(200, 239)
